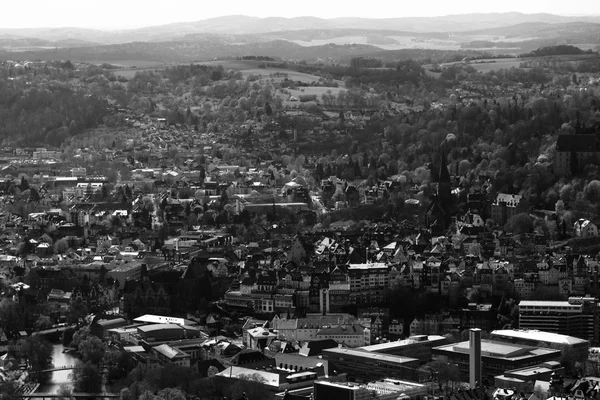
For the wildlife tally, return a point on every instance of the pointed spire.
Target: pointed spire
(444, 175)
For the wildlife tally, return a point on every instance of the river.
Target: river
(57, 378)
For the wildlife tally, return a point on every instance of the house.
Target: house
(585, 228)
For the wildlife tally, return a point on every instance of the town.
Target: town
(300, 232)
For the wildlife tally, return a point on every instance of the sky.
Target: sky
(121, 14)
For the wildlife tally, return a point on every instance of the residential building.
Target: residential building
(349, 335)
(368, 283)
(585, 228)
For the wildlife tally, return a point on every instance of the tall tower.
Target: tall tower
(444, 189)
(474, 358)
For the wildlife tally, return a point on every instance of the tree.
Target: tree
(520, 223)
(43, 322)
(268, 109)
(35, 351)
(443, 373)
(170, 394)
(92, 349)
(87, 378)
(65, 393)
(61, 246)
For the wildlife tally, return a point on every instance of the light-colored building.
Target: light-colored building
(585, 228)
(569, 345)
(349, 335)
(575, 317)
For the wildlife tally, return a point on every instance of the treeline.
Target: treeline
(405, 72)
(363, 62)
(557, 51)
(256, 58)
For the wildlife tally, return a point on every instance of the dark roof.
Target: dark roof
(316, 347)
(578, 143)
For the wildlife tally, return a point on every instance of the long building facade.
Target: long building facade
(576, 317)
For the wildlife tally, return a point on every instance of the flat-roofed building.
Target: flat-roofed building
(417, 346)
(496, 357)
(575, 347)
(520, 379)
(367, 366)
(576, 317)
(165, 332)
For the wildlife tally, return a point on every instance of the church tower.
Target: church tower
(440, 209)
(444, 188)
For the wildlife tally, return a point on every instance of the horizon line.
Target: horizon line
(128, 28)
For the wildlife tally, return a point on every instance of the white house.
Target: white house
(585, 228)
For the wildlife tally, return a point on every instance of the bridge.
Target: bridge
(54, 330)
(49, 396)
(63, 368)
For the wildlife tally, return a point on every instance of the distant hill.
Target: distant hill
(244, 25)
(556, 51)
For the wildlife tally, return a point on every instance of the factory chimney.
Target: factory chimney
(474, 358)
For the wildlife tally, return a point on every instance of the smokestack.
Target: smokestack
(474, 357)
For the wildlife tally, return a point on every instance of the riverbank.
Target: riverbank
(61, 358)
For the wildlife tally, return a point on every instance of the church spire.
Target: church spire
(443, 175)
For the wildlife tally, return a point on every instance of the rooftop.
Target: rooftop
(369, 355)
(168, 351)
(161, 319)
(539, 336)
(159, 327)
(547, 303)
(401, 343)
(495, 349)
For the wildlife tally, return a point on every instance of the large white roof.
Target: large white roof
(540, 336)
